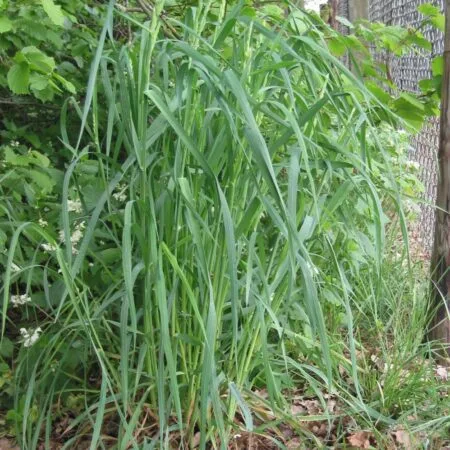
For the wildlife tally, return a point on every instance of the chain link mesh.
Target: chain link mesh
(406, 72)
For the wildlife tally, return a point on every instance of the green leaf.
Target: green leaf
(380, 93)
(438, 22)
(420, 41)
(6, 347)
(337, 47)
(42, 180)
(18, 78)
(437, 65)
(54, 12)
(67, 85)
(5, 25)
(427, 9)
(40, 159)
(38, 82)
(36, 59)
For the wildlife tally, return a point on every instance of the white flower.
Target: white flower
(74, 205)
(14, 143)
(48, 247)
(18, 300)
(120, 195)
(413, 165)
(30, 336)
(76, 236)
(43, 223)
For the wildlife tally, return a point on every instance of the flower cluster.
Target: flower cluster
(48, 247)
(76, 236)
(18, 300)
(75, 206)
(30, 336)
(120, 195)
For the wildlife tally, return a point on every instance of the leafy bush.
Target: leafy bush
(210, 240)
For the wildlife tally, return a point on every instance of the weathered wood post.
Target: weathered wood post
(441, 252)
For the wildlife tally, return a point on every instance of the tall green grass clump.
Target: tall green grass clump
(220, 206)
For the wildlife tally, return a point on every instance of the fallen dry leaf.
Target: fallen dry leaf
(403, 438)
(294, 444)
(5, 444)
(360, 439)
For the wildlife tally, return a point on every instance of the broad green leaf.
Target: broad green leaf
(54, 12)
(5, 24)
(18, 78)
(428, 9)
(437, 65)
(36, 59)
(438, 22)
(44, 182)
(38, 82)
(337, 46)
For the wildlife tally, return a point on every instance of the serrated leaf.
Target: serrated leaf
(18, 78)
(5, 25)
(54, 12)
(337, 47)
(42, 180)
(427, 9)
(40, 159)
(38, 82)
(380, 93)
(438, 22)
(36, 59)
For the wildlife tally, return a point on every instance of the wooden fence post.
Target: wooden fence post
(441, 251)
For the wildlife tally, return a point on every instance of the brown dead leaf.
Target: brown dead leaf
(403, 438)
(5, 444)
(294, 444)
(360, 439)
(297, 409)
(196, 440)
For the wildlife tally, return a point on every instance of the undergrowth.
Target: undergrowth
(212, 265)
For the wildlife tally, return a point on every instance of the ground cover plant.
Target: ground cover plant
(209, 256)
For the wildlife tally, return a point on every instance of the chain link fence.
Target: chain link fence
(406, 72)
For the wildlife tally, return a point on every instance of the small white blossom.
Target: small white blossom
(18, 300)
(74, 205)
(413, 165)
(14, 143)
(48, 247)
(43, 223)
(76, 236)
(120, 195)
(30, 336)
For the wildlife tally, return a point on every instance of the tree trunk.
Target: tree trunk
(441, 253)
